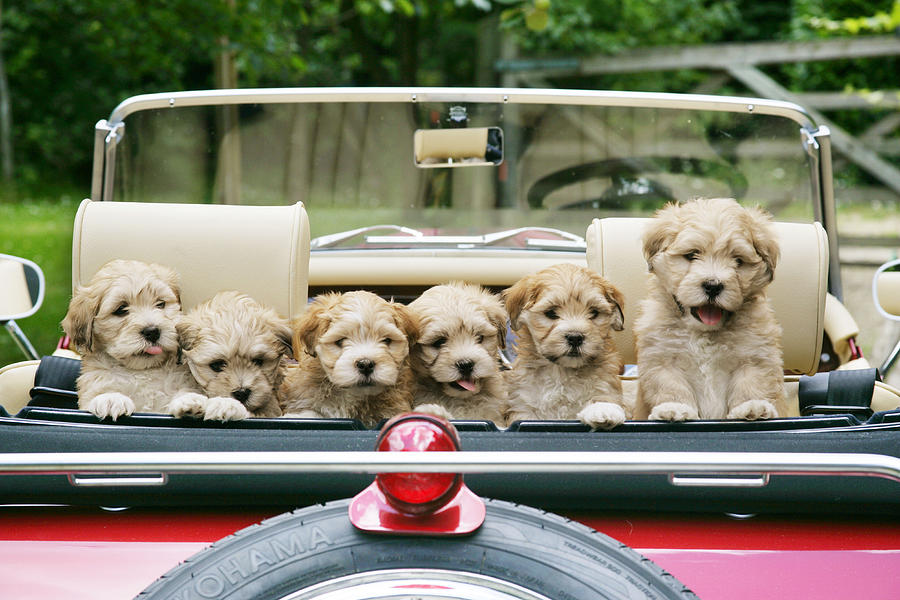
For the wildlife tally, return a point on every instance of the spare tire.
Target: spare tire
(316, 553)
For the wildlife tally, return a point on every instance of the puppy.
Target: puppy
(234, 347)
(355, 363)
(456, 359)
(708, 344)
(123, 324)
(567, 366)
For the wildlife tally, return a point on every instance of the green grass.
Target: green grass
(39, 228)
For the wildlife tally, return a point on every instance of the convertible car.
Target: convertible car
(289, 193)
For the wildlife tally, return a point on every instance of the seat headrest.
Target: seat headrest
(797, 293)
(262, 251)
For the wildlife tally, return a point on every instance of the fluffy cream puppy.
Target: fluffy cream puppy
(234, 347)
(456, 359)
(123, 324)
(355, 363)
(708, 344)
(566, 365)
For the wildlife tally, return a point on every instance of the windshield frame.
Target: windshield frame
(817, 139)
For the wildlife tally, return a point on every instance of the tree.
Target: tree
(6, 148)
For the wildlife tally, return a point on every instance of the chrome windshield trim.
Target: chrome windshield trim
(825, 177)
(598, 463)
(101, 130)
(492, 95)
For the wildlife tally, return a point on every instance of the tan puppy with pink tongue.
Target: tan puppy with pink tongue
(123, 322)
(456, 358)
(708, 344)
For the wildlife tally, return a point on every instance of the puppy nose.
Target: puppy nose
(465, 366)
(241, 395)
(575, 339)
(365, 366)
(712, 288)
(151, 334)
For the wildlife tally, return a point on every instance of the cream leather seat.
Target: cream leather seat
(797, 293)
(262, 251)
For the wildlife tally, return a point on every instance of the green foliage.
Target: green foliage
(581, 27)
(815, 19)
(69, 62)
(881, 21)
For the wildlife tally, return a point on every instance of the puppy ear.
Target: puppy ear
(307, 330)
(765, 242)
(284, 336)
(313, 323)
(408, 321)
(660, 232)
(78, 323)
(188, 333)
(518, 296)
(617, 299)
(168, 275)
(496, 314)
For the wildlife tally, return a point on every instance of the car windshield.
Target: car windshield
(430, 171)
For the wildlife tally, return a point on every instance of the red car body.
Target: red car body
(93, 554)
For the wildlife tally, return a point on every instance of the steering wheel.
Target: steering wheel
(630, 182)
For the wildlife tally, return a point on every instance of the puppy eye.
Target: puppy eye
(258, 361)
(121, 310)
(439, 342)
(340, 342)
(692, 255)
(479, 339)
(551, 314)
(387, 341)
(595, 313)
(161, 304)
(217, 365)
(739, 261)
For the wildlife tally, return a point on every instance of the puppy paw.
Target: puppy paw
(188, 405)
(111, 404)
(602, 415)
(433, 409)
(752, 410)
(221, 408)
(673, 411)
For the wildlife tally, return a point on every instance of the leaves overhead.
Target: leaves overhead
(69, 62)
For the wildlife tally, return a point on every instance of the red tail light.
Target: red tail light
(425, 503)
(418, 493)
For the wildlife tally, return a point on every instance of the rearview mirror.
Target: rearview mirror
(462, 147)
(886, 290)
(21, 288)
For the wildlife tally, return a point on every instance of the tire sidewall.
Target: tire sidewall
(538, 551)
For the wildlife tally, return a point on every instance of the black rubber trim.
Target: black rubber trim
(57, 372)
(550, 491)
(833, 392)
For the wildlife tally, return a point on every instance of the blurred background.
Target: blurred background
(65, 64)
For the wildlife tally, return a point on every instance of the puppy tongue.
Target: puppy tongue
(710, 314)
(466, 384)
(153, 350)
